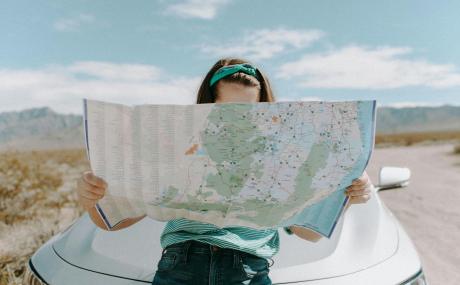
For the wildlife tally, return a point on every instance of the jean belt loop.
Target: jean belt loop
(186, 249)
(272, 262)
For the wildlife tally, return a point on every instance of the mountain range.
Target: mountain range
(43, 128)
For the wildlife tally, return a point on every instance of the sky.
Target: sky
(55, 53)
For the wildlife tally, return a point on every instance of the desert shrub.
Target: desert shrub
(26, 182)
(407, 139)
(37, 200)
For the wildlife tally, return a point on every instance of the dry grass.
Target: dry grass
(407, 139)
(37, 200)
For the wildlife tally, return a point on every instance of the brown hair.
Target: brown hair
(207, 94)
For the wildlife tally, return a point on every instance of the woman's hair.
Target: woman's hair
(207, 94)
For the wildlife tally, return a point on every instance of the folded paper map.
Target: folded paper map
(260, 165)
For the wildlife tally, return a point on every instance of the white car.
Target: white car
(368, 246)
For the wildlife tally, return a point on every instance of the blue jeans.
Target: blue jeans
(193, 262)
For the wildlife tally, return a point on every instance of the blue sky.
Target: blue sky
(54, 53)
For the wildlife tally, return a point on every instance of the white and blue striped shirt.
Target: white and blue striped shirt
(263, 243)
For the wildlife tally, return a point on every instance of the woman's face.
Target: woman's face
(234, 92)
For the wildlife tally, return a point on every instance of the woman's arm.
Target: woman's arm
(358, 192)
(96, 218)
(90, 189)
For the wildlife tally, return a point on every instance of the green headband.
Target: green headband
(230, 69)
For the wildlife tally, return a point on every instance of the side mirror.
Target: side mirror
(393, 177)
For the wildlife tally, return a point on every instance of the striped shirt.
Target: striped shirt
(263, 243)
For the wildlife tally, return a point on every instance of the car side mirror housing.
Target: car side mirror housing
(391, 177)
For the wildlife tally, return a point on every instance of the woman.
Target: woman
(201, 253)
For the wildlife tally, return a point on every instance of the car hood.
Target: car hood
(365, 235)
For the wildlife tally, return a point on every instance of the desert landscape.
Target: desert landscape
(38, 200)
(57, 56)
(42, 154)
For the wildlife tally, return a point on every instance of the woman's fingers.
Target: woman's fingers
(91, 195)
(89, 191)
(95, 190)
(358, 188)
(360, 199)
(363, 180)
(355, 187)
(358, 192)
(93, 179)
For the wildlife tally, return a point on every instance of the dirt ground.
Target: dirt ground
(429, 207)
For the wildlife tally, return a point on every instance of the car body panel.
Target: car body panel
(403, 264)
(55, 270)
(366, 235)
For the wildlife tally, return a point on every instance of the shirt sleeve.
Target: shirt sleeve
(287, 230)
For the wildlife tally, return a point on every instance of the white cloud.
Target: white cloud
(125, 72)
(264, 43)
(368, 68)
(74, 23)
(63, 87)
(202, 9)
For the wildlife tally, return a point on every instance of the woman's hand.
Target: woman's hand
(359, 191)
(90, 189)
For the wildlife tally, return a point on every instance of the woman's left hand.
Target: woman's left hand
(360, 190)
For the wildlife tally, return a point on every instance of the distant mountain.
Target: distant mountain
(43, 128)
(418, 119)
(40, 128)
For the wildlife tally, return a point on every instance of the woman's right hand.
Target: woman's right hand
(90, 189)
